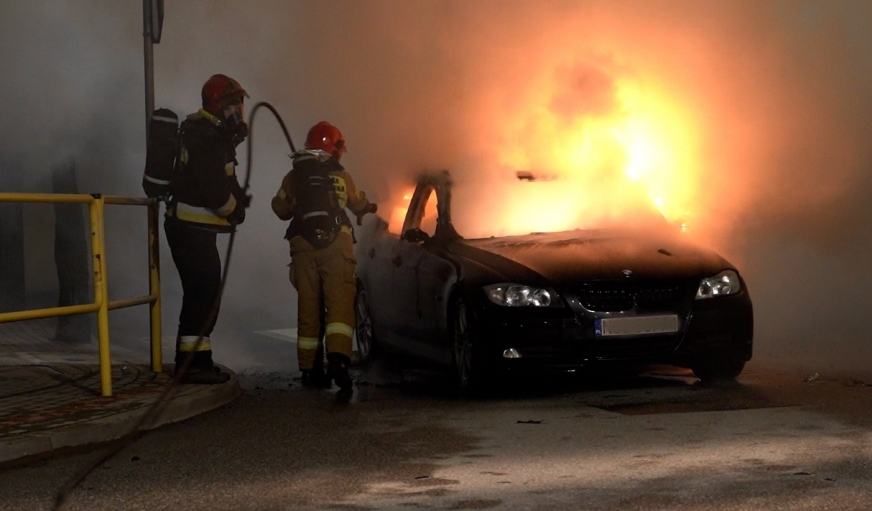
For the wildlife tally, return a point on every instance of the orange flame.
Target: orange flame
(398, 212)
(643, 155)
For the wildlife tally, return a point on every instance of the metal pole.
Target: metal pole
(101, 292)
(147, 36)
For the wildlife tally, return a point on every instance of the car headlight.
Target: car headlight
(517, 295)
(723, 284)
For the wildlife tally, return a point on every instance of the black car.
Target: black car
(546, 301)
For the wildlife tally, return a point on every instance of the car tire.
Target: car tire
(469, 373)
(722, 370)
(366, 344)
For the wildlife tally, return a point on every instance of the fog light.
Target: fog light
(511, 353)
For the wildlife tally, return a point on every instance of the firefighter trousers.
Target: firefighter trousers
(195, 254)
(325, 281)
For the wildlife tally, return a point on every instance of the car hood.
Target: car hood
(595, 254)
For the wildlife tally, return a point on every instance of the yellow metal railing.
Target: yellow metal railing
(102, 305)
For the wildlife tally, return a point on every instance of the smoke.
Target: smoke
(778, 93)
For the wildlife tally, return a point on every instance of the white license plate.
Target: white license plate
(636, 325)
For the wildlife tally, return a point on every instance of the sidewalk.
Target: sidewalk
(50, 395)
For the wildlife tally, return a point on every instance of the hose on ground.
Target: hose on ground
(154, 411)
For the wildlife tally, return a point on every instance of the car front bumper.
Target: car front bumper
(560, 339)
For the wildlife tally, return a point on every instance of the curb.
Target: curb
(187, 401)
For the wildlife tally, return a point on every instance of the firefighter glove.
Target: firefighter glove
(238, 215)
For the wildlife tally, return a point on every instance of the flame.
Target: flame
(642, 154)
(661, 145)
(639, 157)
(398, 212)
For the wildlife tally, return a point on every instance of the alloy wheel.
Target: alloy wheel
(462, 345)
(364, 326)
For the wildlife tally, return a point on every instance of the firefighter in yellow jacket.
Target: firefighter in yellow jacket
(314, 196)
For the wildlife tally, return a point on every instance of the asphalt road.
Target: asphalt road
(779, 439)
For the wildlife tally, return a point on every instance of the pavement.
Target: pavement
(51, 399)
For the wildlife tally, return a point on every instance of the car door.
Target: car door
(375, 270)
(403, 285)
(412, 262)
(436, 274)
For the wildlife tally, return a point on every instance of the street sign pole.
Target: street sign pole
(152, 25)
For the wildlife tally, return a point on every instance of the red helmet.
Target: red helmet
(219, 91)
(328, 138)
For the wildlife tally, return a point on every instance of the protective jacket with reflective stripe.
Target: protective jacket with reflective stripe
(205, 189)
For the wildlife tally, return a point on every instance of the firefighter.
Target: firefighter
(206, 199)
(314, 196)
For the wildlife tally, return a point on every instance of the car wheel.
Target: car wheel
(719, 370)
(363, 331)
(467, 364)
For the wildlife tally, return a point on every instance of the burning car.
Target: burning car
(492, 306)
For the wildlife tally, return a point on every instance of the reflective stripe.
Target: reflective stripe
(187, 343)
(228, 207)
(307, 343)
(155, 180)
(339, 328)
(164, 119)
(314, 213)
(341, 190)
(200, 215)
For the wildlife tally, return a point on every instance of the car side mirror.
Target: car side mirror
(416, 235)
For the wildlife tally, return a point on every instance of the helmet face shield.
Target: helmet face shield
(234, 113)
(233, 117)
(340, 149)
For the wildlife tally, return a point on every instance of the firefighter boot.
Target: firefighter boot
(315, 378)
(200, 368)
(338, 370)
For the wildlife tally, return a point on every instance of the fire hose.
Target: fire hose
(155, 409)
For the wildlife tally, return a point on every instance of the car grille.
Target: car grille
(618, 296)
